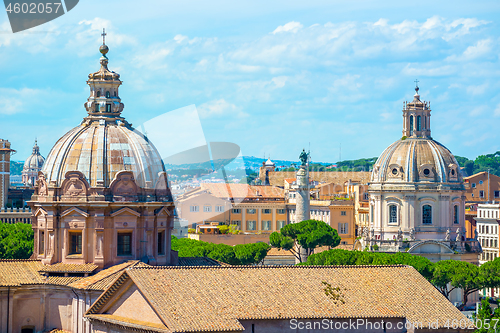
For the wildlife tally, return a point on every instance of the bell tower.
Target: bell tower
(417, 117)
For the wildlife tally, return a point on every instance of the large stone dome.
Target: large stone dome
(104, 143)
(100, 149)
(416, 160)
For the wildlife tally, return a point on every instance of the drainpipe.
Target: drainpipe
(8, 308)
(77, 307)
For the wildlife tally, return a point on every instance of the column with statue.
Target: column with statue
(302, 211)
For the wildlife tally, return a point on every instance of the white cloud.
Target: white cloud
(87, 34)
(13, 101)
(481, 48)
(218, 108)
(496, 113)
(180, 38)
(279, 81)
(477, 90)
(289, 27)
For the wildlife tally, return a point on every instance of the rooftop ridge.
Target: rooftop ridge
(269, 266)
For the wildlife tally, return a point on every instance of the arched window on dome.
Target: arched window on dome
(426, 214)
(393, 214)
(455, 215)
(114, 94)
(108, 95)
(411, 125)
(98, 93)
(419, 123)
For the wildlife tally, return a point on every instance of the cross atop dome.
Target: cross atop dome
(103, 36)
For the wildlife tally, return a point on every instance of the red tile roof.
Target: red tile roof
(216, 299)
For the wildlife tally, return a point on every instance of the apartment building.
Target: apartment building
(482, 187)
(254, 209)
(487, 227)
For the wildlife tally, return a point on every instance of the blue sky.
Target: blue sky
(270, 76)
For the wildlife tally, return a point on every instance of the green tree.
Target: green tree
(223, 229)
(486, 320)
(469, 167)
(459, 274)
(443, 274)
(306, 235)
(490, 273)
(344, 257)
(244, 254)
(16, 240)
(248, 254)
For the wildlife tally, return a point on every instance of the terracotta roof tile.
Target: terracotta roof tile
(201, 299)
(18, 272)
(277, 178)
(199, 261)
(103, 279)
(63, 280)
(69, 268)
(279, 252)
(242, 190)
(127, 322)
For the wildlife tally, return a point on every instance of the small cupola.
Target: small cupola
(416, 117)
(104, 100)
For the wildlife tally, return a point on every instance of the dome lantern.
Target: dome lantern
(417, 117)
(104, 101)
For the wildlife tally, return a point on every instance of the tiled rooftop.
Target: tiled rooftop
(69, 268)
(277, 178)
(199, 261)
(18, 272)
(216, 298)
(237, 191)
(103, 279)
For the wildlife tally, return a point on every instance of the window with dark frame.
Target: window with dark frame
(455, 214)
(75, 246)
(124, 244)
(393, 214)
(42, 243)
(161, 242)
(427, 214)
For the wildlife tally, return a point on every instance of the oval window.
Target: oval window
(452, 172)
(427, 172)
(394, 171)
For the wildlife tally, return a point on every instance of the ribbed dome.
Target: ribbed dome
(416, 160)
(100, 151)
(35, 160)
(104, 143)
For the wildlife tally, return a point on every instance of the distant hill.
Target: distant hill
(16, 167)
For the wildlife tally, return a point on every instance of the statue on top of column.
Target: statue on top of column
(303, 157)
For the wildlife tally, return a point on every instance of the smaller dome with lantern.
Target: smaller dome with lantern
(32, 166)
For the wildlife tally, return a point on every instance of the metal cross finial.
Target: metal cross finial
(103, 36)
(416, 83)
